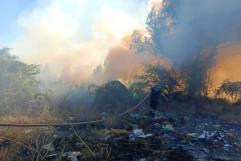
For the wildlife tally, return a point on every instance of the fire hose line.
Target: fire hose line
(76, 123)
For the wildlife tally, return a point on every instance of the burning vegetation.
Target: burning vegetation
(185, 51)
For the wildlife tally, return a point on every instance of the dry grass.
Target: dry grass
(25, 141)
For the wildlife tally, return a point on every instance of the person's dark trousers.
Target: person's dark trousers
(155, 92)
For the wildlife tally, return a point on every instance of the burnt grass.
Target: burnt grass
(175, 134)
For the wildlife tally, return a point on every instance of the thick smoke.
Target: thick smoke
(227, 65)
(183, 29)
(71, 37)
(189, 33)
(124, 63)
(179, 30)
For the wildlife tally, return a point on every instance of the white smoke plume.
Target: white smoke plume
(72, 37)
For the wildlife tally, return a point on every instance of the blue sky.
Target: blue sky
(9, 12)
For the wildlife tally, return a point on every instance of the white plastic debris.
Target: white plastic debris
(73, 156)
(169, 127)
(49, 147)
(138, 133)
(206, 135)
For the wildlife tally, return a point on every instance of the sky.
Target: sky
(86, 12)
(10, 10)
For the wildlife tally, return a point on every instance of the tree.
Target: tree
(156, 75)
(192, 61)
(19, 88)
(232, 89)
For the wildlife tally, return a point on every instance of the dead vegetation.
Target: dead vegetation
(231, 89)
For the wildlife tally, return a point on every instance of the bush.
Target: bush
(112, 97)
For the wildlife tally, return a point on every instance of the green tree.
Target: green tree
(19, 88)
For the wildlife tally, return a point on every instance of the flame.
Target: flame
(228, 64)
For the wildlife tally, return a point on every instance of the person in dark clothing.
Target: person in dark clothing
(154, 99)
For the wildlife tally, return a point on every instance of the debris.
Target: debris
(51, 156)
(206, 135)
(164, 139)
(49, 147)
(168, 127)
(28, 131)
(192, 134)
(73, 156)
(138, 133)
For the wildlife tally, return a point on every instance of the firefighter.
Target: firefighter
(154, 100)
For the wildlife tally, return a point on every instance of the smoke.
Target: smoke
(124, 63)
(70, 38)
(189, 33)
(183, 29)
(73, 39)
(227, 66)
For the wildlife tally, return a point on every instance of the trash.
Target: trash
(49, 147)
(28, 131)
(73, 156)
(138, 133)
(51, 156)
(104, 115)
(226, 145)
(168, 127)
(192, 134)
(206, 135)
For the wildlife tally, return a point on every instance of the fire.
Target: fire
(228, 64)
